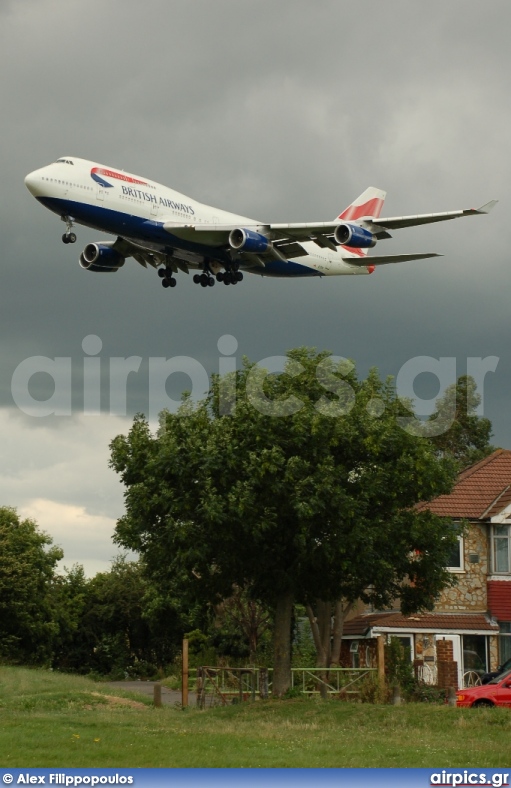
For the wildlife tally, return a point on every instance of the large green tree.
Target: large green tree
(299, 486)
(27, 575)
(465, 436)
(124, 626)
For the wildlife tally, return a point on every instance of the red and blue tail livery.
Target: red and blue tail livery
(165, 230)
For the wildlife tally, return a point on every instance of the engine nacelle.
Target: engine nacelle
(248, 241)
(353, 235)
(101, 258)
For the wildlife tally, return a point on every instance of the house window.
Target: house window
(504, 641)
(455, 560)
(406, 641)
(475, 657)
(500, 550)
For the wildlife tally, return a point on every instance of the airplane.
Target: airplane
(170, 232)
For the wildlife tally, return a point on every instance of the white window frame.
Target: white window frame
(495, 538)
(461, 567)
(405, 636)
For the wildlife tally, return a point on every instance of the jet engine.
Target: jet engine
(248, 241)
(101, 257)
(353, 235)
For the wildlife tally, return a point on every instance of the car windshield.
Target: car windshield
(500, 678)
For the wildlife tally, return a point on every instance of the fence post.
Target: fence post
(157, 695)
(380, 659)
(200, 688)
(184, 685)
(263, 683)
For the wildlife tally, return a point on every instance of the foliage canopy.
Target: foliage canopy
(299, 486)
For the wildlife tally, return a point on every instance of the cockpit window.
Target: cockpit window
(64, 161)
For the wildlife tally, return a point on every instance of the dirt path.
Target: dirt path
(168, 697)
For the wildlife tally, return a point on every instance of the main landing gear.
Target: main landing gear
(69, 237)
(229, 277)
(167, 279)
(204, 280)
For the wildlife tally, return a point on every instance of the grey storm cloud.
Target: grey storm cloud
(280, 111)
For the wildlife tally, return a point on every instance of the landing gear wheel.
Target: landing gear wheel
(239, 276)
(162, 272)
(211, 281)
(165, 282)
(69, 237)
(172, 282)
(220, 276)
(196, 278)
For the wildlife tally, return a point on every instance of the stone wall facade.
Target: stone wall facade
(469, 595)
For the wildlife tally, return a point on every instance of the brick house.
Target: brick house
(475, 614)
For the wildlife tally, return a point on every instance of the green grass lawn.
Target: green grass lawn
(49, 719)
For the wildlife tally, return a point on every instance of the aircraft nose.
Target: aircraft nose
(32, 182)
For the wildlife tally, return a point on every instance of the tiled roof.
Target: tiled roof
(483, 488)
(431, 622)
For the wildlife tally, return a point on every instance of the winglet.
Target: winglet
(489, 206)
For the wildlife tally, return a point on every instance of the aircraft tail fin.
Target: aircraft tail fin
(368, 204)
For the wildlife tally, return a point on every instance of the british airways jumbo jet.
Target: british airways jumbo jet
(161, 228)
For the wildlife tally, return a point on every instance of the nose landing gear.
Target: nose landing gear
(69, 237)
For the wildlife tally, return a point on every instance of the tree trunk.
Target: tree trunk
(321, 631)
(313, 621)
(325, 630)
(282, 644)
(339, 614)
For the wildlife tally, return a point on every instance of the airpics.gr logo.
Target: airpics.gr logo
(97, 172)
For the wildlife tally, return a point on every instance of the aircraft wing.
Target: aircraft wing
(397, 222)
(145, 256)
(284, 246)
(287, 237)
(386, 259)
(282, 236)
(141, 254)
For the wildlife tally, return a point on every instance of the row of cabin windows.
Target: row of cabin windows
(500, 551)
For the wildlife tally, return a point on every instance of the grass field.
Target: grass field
(49, 719)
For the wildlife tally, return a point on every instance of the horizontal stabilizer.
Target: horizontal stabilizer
(386, 259)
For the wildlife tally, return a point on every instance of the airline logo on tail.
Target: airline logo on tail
(369, 203)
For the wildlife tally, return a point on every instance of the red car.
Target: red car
(496, 693)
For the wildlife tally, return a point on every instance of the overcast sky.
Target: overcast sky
(282, 111)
